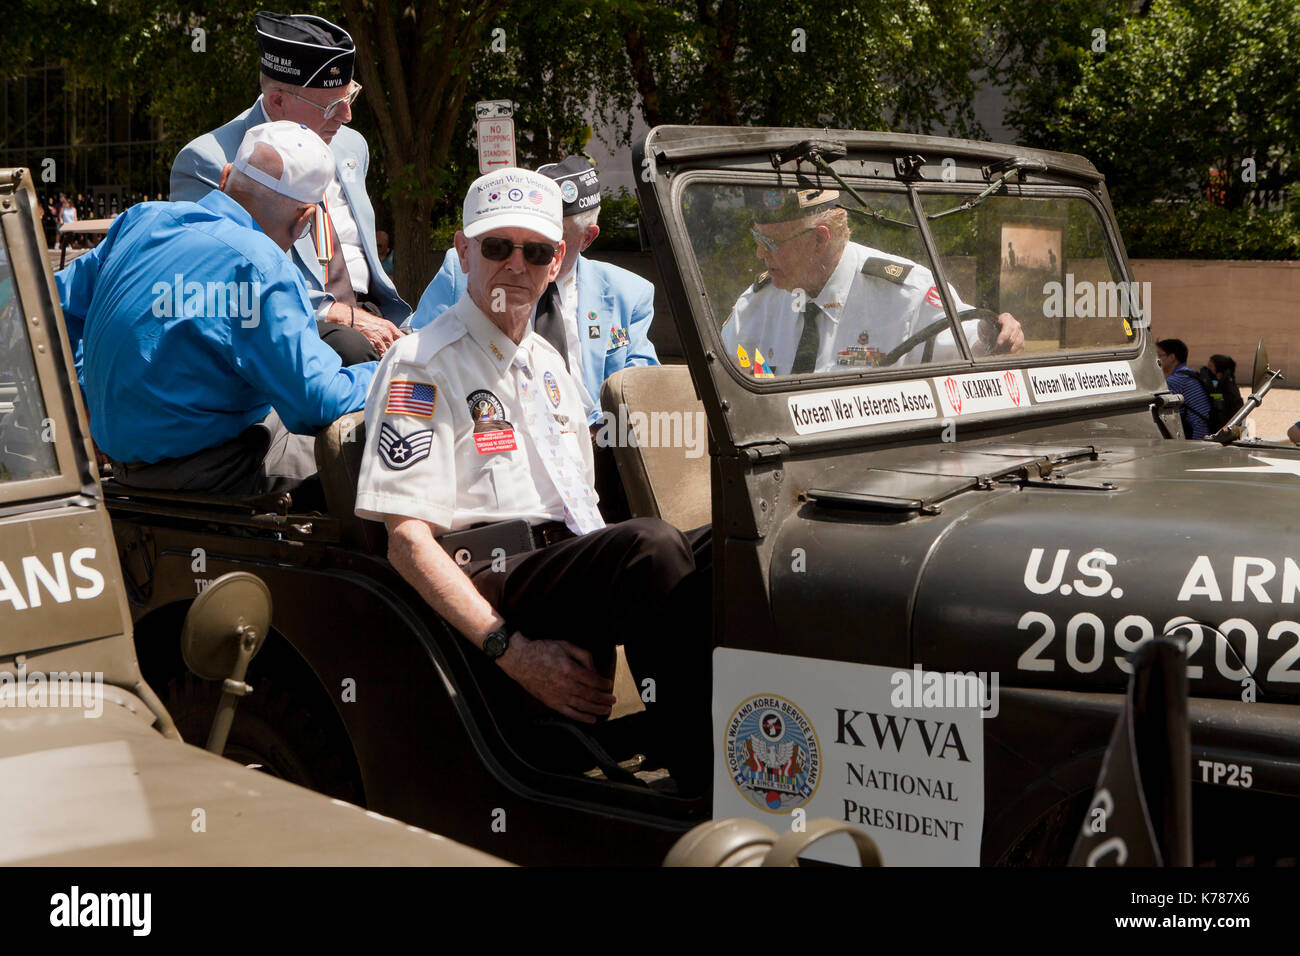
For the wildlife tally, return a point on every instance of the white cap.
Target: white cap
(307, 163)
(512, 197)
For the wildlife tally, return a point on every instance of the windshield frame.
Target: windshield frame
(915, 191)
(51, 356)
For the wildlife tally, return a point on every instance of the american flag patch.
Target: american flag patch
(411, 398)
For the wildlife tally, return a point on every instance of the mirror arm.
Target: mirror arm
(1232, 430)
(233, 688)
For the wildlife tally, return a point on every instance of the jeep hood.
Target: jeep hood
(1054, 586)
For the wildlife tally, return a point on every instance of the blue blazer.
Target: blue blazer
(197, 170)
(615, 308)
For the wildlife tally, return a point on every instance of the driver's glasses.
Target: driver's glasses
(499, 249)
(774, 245)
(331, 108)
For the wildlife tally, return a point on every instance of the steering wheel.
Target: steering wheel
(931, 331)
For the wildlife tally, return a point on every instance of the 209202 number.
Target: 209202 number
(1085, 645)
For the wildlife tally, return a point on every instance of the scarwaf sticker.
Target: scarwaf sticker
(981, 392)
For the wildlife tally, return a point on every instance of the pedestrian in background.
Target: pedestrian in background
(1224, 370)
(1196, 403)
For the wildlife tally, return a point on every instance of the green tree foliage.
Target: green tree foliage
(1178, 102)
(555, 61)
(906, 65)
(143, 56)
(416, 61)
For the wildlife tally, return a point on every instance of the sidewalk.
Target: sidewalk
(1281, 410)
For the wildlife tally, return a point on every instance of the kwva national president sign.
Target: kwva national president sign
(798, 739)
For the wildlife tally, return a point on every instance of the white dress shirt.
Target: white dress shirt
(858, 310)
(468, 457)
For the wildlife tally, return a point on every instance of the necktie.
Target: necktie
(805, 357)
(549, 322)
(580, 512)
(329, 252)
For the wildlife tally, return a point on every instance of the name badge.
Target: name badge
(489, 443)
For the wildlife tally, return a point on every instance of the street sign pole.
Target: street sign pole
(496, 134)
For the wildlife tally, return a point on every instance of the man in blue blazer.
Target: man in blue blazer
(306, 77)
(605, 311)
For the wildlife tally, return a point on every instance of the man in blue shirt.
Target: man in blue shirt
(195, 324)
(1196, 404)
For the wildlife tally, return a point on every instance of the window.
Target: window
(26, 435)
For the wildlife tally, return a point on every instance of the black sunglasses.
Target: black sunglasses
(499, 249)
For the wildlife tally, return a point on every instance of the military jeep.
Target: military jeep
(926, 503)
(94, 770)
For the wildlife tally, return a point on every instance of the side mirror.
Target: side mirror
(224, 629)
(1259, 374)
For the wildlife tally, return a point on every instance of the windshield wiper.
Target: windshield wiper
(1008, 167)
(870, 211)
(816, 151)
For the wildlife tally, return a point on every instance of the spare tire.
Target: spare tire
(274, 731)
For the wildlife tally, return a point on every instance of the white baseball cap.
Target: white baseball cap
(308, 164)
(513, 197)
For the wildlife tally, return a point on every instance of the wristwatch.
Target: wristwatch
(496, 644)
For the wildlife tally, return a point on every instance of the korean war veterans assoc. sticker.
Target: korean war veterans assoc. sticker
(400, 451)
(772, 753)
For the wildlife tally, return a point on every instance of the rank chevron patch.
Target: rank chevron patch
(402, 451)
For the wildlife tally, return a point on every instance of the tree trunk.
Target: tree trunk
(414, 259)
(724, 23)
(415, 72)
(643, 72)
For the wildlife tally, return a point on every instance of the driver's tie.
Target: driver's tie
(805, 357)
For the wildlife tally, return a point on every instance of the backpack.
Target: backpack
(1218, 407)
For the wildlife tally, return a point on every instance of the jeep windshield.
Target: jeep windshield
(802, 278)
(27, 448)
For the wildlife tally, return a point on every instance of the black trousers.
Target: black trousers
(263, 459)
(353, 347)
(641, 583)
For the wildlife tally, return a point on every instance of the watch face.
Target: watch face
(496, 643)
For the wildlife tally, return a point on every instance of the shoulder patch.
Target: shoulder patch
(399, 451)
(411, 397)
(762, 279)
(887, 269)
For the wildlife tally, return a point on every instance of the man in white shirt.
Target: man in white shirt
(597, 315)
(826, 302)
(475, 419)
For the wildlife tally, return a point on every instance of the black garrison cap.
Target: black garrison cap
(579, 185)
(304, 50)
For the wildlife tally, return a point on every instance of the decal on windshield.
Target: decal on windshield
(813, 412)
(1060, 382)
(981, 392)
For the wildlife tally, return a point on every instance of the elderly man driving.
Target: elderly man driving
(826, 301)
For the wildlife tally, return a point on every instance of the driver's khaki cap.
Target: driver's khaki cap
(786, 205)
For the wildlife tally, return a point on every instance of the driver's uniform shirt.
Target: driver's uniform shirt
(872, 302)
(446, 434)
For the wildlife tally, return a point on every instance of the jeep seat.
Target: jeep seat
(339, 447)
(661, 482)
